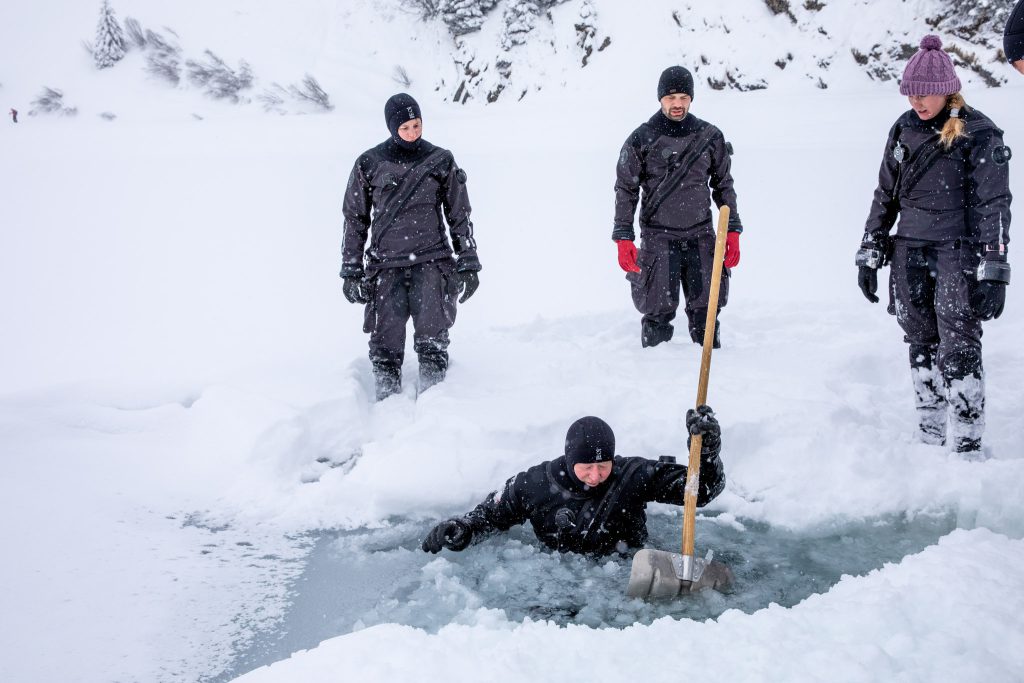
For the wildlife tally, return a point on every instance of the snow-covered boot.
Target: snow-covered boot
(388, 379)
(929, 395)
(967, 415)
(433, 368)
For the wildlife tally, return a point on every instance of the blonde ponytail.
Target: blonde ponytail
(954, 127)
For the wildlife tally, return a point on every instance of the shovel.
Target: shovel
(659, 574)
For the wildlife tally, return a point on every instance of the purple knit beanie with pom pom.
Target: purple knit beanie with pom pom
(930, 71)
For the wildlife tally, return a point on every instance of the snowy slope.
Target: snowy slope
(186, 394)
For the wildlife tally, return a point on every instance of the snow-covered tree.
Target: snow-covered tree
(109, 47)
(520, 18)
(464, 16)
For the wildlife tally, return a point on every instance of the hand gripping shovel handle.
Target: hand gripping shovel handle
(693, 466)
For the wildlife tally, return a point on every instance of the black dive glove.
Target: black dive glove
(988, 299)
(468, 282)
(702, 421)
(355, 290)
(867, 280)
(453, 534)
(875, 251)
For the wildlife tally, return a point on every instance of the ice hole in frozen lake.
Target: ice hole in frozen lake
(359, 578)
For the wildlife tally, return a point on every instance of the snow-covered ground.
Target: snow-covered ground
(185, 392)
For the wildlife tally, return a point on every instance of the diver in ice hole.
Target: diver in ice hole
(589, 500)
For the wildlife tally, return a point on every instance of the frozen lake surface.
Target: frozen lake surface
(363, 577)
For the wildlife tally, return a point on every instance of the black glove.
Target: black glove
(355, 290)
(452, 534)
(988, 299)
(468, 282)
(867, 279)
(702, 421)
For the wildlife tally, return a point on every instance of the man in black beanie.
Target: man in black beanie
(589, 500)
(667, 166)
(1013, 37)
(396, 196)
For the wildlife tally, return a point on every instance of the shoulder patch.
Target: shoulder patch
(460, 175)
(1002, 154)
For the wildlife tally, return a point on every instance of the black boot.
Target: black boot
(388, 379)
(929, 395)
(697, 335)
(653, 333)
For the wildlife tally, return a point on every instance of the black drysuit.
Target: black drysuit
(399, 199)
(951, 205)
(667, 167)
(568, 516)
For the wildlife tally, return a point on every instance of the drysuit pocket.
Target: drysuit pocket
(642, 283)
(370, 309)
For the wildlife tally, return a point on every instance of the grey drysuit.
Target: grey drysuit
(951, 205)
(399, 200)
(676, 227)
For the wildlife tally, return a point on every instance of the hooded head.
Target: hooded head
(675, 79)
(589, 440)
(930, 71)
(400, 109)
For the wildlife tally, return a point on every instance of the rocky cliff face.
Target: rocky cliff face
(507, 48)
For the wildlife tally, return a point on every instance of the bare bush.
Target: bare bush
(273, 98)
(218, 79)
(163, 59)
(133, 30)
(311, 92)
(401, 76)
(51, 101)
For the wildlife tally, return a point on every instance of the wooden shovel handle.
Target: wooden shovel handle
(693, 466)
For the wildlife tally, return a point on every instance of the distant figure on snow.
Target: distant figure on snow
(666, 166)
(945, 176)
(14, 115)
(1013, 37)
(589, 500)
(396, 196)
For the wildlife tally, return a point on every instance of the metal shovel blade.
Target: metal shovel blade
(656, 575)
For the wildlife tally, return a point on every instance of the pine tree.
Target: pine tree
(520, 18)
(464, 16)
(109, 48)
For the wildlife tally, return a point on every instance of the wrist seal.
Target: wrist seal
(994, 271)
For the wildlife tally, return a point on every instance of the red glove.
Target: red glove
(732, 250)
(627, 256)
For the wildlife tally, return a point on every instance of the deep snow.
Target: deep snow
(186, 394)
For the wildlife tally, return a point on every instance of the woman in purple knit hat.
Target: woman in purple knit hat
(944, 185)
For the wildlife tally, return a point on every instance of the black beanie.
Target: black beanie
(588, 440)
(399, 109)
(1013, 37)
(675, 79)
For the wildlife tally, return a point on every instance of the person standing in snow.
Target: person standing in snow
(1013, 37)
(588, 500)
(14, 115)
(666, 166)
(945, 176)
(399, 195)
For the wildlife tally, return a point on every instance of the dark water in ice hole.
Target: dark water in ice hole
(363, 577)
